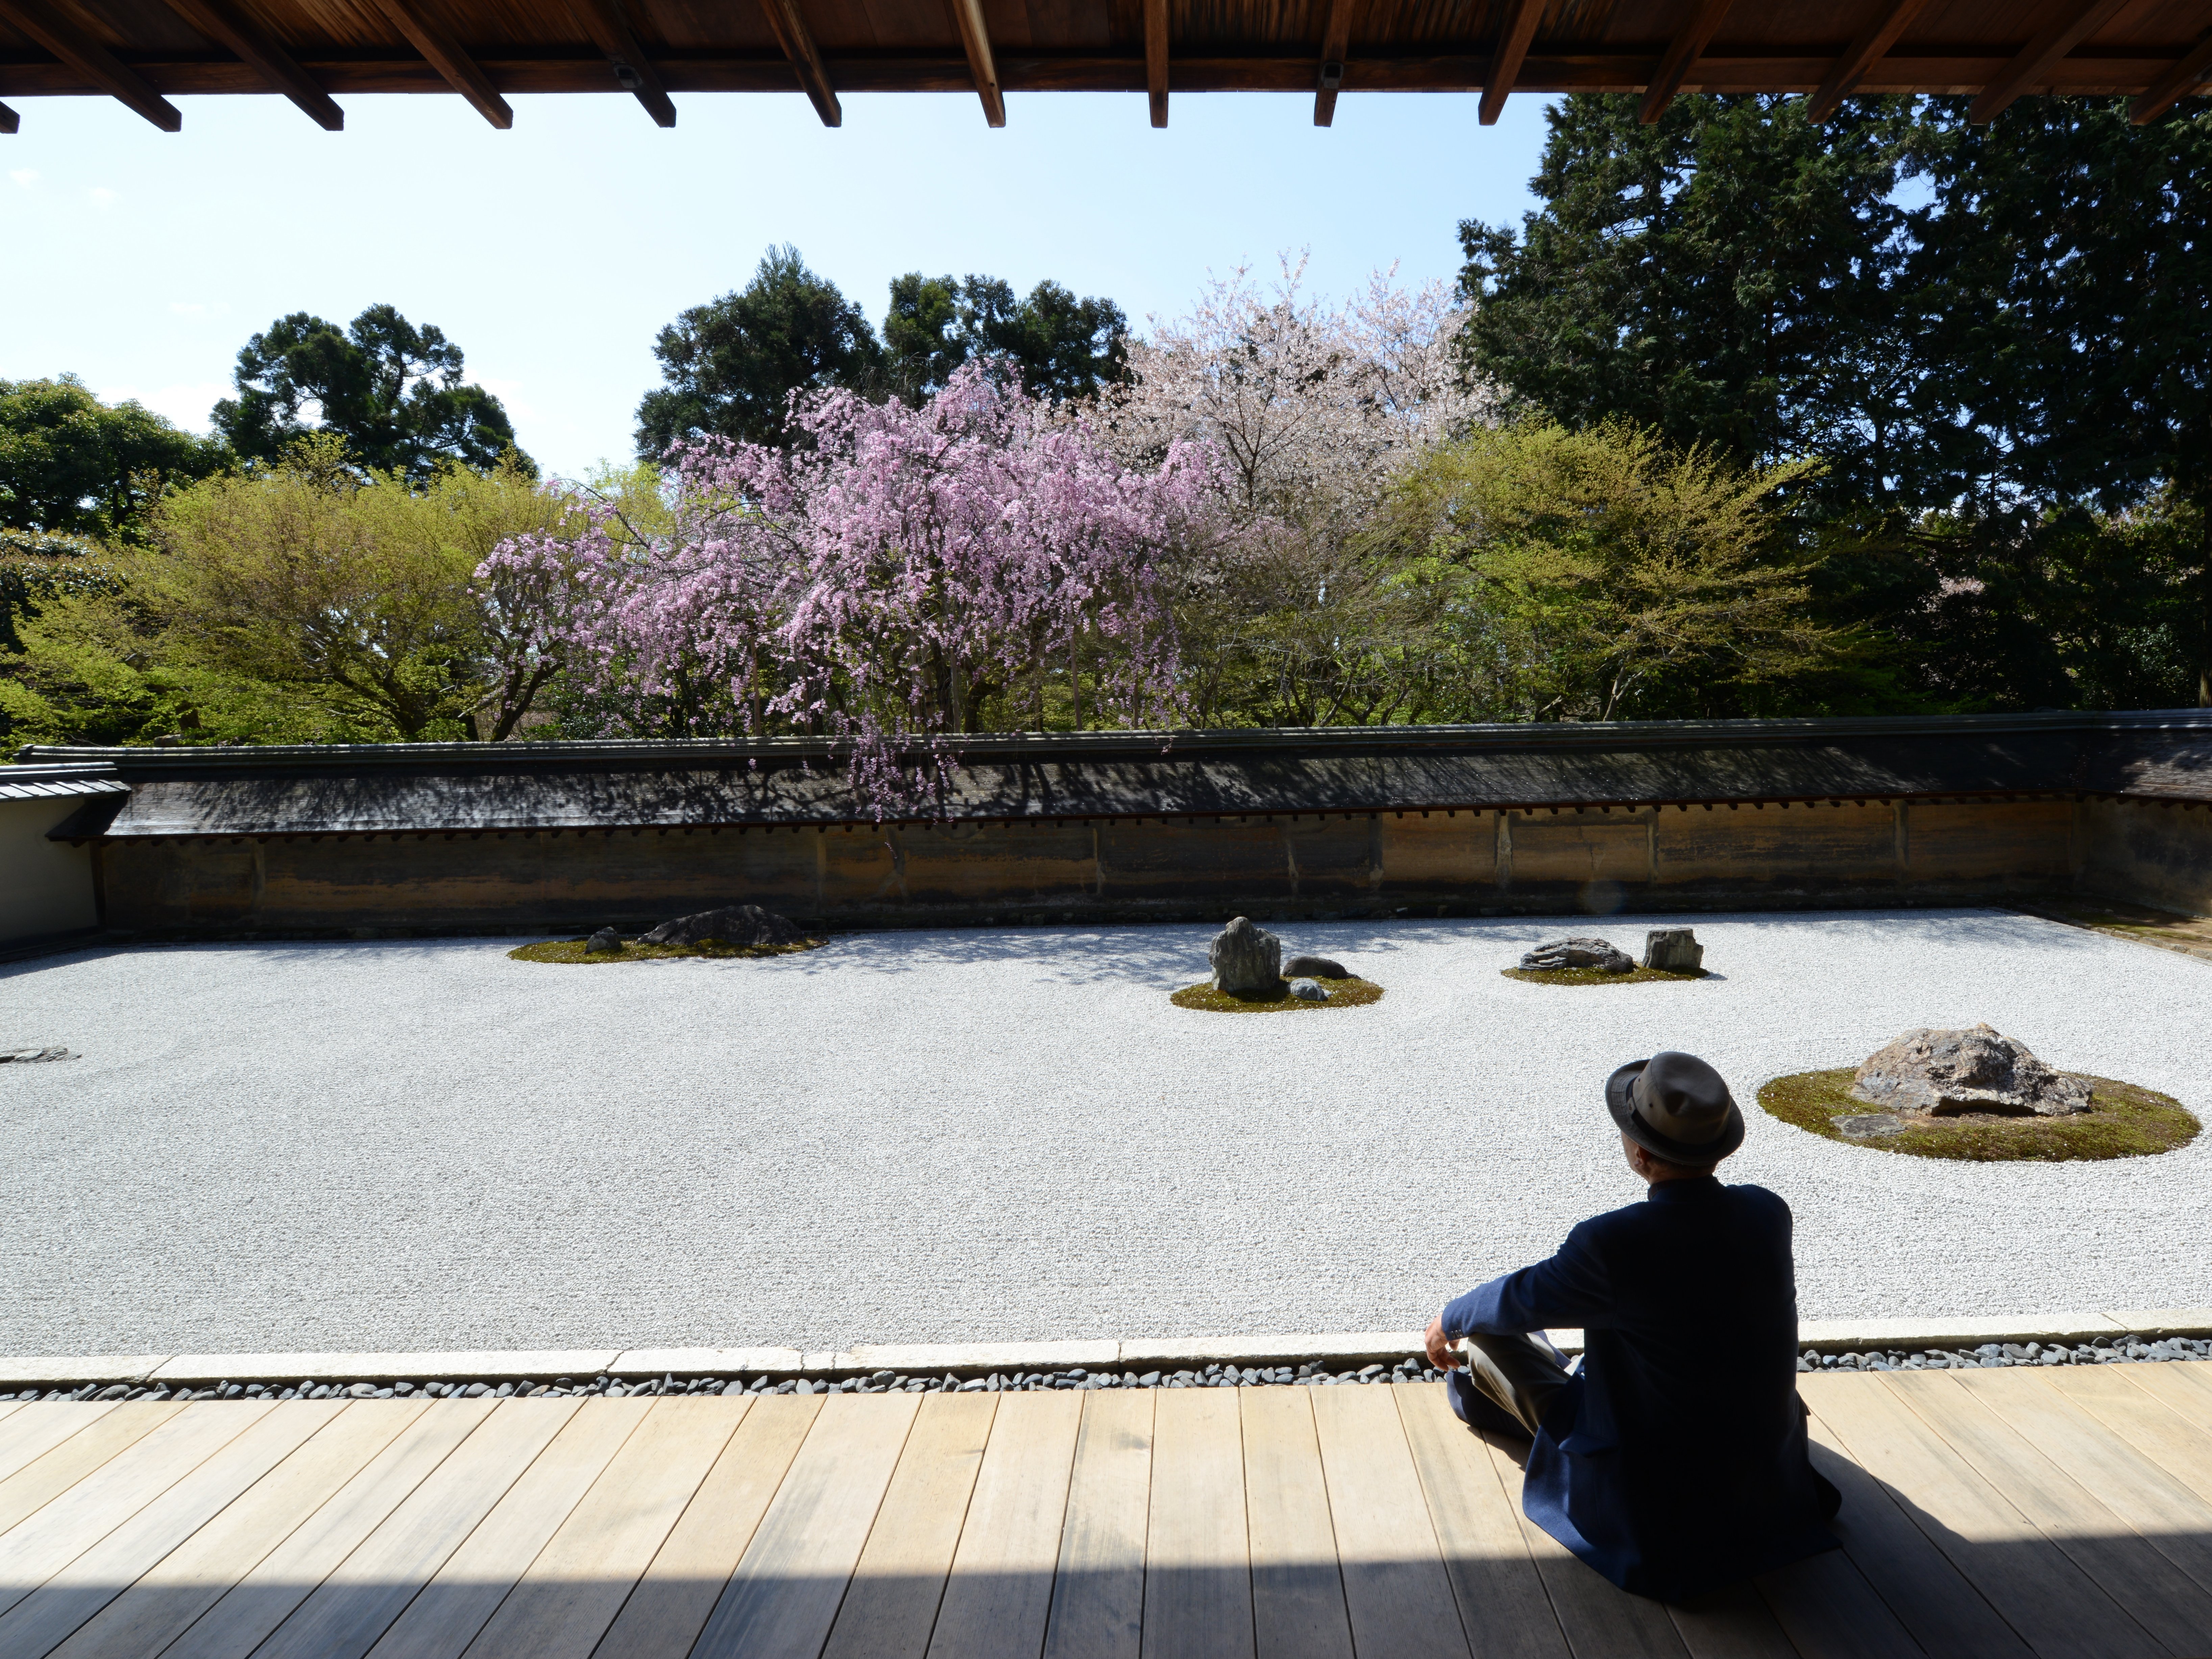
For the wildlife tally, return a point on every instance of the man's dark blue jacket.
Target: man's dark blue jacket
(1675, 1461)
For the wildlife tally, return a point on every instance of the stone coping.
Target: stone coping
(978, 1358)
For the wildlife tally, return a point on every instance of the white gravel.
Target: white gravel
(1006, 1133)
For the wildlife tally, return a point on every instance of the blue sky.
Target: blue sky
(553, 252)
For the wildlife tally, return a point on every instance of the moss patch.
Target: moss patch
(1594, 976)
(2123, 1122)
(572, 950)
(1342, 993)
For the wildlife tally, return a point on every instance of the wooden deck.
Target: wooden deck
(2066, 1511)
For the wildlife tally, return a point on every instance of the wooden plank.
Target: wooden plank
(1394, 1585)
(891, 1604)
(1597, 1616)
(999, 1593)
(670, 1604)
(1098, 1589)
(2137, 1414)
(363, 1593)
(1945, 1614)
(2189, 72)
(1882, 32)
(1298, 1588)
(2183, 1388)
(38, 1483)
(1829, 1611)
(1734, 1623)
(135, 1542)
(2025, 73)
(294, 1569)
(1336, 40)
(1197, 1574)
(1503, 1607)
(2055, 1608)
(457, 1604)
(64, 36)
(1156, 59)
(168, 1598)
(577, 1585)
(798, 43)
(227, 26)
(29, 1435)
(976, 38)
(783, 1596)
(2176, 1521)
(2158, 1595)
(1681, 56)
(609, 30)
(9, 1407)
(1514, 35)
(427, 31)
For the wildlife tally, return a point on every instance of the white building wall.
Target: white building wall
(45, 886)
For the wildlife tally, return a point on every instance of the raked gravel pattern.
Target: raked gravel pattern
(1006, 1135)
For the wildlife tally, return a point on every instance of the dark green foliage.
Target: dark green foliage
(731, 365)
(392, 391)
(1062, 347)
(71, 465)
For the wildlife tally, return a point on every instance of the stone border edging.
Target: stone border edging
(1838, 1335)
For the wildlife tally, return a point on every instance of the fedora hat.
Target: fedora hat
(1675, 1107)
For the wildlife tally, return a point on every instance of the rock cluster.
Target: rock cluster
(1674, 950)
(1943, 1073)
(1247, 960)
(734, 924)
(1578, 953)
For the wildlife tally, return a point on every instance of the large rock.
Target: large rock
(1942, 1073)
(735, 924)
(1247, 960)
(604, 943)
(1315, 968)
(1674, 950)
(1578, 953)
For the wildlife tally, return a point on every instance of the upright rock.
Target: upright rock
(1578, 953)
(1247, 960)
(604, 943)
(1674, 950)
(1942, 1073)
(734, 924)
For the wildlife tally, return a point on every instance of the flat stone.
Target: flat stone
(705, 1362)
(1867, 1125)
(1247, 960)
(1944, 1073)
(33, 1057)
(1315, 968)
(1674, 950)
(17, 1371)
(444, 1364)
(1306, 991)
(1578, 952)
(733, 924)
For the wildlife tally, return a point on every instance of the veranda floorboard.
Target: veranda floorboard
(1735, 1623)
(671, 1602)
(1828, 1610)
(166, 1599)
(71, 1458)
(50, 1613)
(572, 1592)
(1198, 1564)
(29, 1435)
(2158, 1595)
(1099, 1588)
(890, 1607)
(2184, 1391)
(1503, 1609)
(999, 1596)
(2057, 1609)
(1395, 1587)
(783, 1597)
(2164, 1436)
(1298, 1588)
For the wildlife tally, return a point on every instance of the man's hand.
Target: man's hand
(1441, 1354)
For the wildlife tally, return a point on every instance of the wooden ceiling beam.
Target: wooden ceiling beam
(10, 121)
(798, 43)
(969, 15)
(1336, 41)
(1514, 36)
(1682, 55)
(2074, 25)
(1156, 58)
(427, 33)
(609, 30)
(250, 44)
(2177, 83)
(1874, 41)
(68, 39)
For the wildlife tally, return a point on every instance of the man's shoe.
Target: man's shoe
(1478, 1410)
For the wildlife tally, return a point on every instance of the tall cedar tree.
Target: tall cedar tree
(1063, 348)
(392, 391)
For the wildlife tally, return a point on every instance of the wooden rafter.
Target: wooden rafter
(68, 39)
(969, 15)
(1876, 38)
(228, 27)
(2076, 24)
(609, 30)
(2177, 83)
(1156, 58)
(427, 33)
(1514, 37)
(1336, 41)
(10, 121)
(798, 43)
(1681, 54)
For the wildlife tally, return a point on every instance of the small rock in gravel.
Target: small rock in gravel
(1315, 968)
(33, 1057)
(606, 942)
(1306, 991)
(1578, 952)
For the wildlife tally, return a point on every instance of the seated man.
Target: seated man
(1674, 1460)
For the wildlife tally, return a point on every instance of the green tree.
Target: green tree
(393, 391)
(71, 465)
(731, 365)
(1063, 348)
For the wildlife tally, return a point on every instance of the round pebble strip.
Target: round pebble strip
(2103, 1351)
